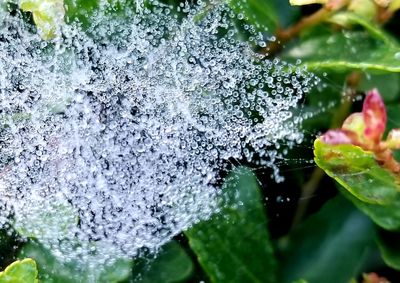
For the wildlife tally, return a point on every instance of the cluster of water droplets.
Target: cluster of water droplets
(114, 142)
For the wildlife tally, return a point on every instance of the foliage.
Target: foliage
(23, 271)
(47, 14)
(253, 259)
(312, 252)
(354, 48)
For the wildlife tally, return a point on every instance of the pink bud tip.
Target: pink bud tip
(334, 137)
(374, 114)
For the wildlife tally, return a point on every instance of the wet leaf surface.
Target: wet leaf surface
(234, 245)
(330, 246)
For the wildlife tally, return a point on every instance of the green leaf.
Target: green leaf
(330, 246)
(234, 245)
(346, 51)
(52, 270)
(320, 103)
(393, 112)
(388, 85)
(89, 13)
(48, 15)
(357, 171)
(389, 246)
(369, 25)
(260, 13)
(386, 216)
(371, 188)
(119, 271)
(48, 218)
(172, 264)
(81, 11)
(287, 14)
(23, 271)
(3, 10)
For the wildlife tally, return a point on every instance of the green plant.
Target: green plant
(262, 231)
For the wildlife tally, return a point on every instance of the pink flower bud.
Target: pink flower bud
(374, 278)
(335, 137)
(374, 114)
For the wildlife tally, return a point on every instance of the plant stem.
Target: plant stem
(307, 191)
(311, 186)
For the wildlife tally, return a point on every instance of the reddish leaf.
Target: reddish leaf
(374, 114)
(335, 137)
(374, 278)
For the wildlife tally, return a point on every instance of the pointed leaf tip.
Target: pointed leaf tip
(355, 123)
(374, 114)
(393, 139)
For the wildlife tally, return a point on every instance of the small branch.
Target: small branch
(311, 186)
(307, 191)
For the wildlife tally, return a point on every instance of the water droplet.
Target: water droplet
(148, 121)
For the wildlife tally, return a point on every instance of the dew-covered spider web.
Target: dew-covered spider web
(113, 137)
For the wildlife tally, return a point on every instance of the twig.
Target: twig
(311, 186)
(307, 190)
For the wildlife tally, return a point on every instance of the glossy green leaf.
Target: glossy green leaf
(48, 15)
(86, 12)
(234, 245)
(357, 171)
(346, 51)
(369, 25)
(374, 190)
(23, 271)
(287, 14)
(56, 219)
(389, 246)
(260, 13)
(52, 270)
(172, 264)
(3, 10)
(118, 271)
(388, 85)
(393, 112)
(81, 11)
(386, 216)
(319, 104)
(330, 246)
